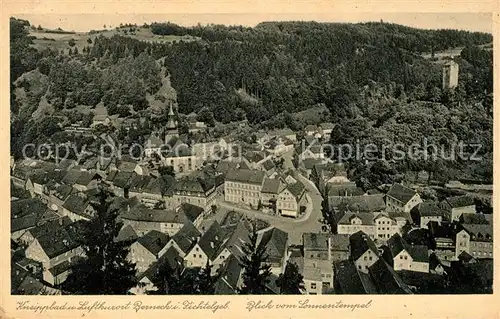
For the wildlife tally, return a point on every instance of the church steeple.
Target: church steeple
(171, 130)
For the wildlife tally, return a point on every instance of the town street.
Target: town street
(310, 222)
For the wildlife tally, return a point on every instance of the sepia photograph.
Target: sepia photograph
(168, 154)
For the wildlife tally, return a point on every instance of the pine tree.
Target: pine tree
(206, 281)
(291, 280)
(166, 280)
(256, 271)
(105, 268)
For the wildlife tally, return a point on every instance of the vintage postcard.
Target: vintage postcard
(248, 159)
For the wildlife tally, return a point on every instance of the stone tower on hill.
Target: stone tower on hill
(450, 75)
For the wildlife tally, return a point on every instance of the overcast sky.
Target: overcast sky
(85, 22)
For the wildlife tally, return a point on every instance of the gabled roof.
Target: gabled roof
(195, 184)
(127, 233)
(268, 165)
(224, 166)
(186, 237)
(237, 237)
(418, 253)
(154, 241)
(122, 179)
(191, 211)
(61, 191)
(460, 201)
(479, 232)
(153, 142)
(465, 257)
(344, 189)
(75, 176)
(275, 240)
(212, 239)
(386, 279)
(230, 278)
(142, 213)
(77, 203)
(429, 209)
(360, 243)
(309, 163)
(339, 242)
(139, 182)
(366, 218)
(245, 176)
(272, 186)
(477, 219)
(26, 213)
(297, 189)
(364, 203)
(57, 241)
(352, 281)
(315, 241)
(401, 193)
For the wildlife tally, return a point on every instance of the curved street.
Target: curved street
(309, 222)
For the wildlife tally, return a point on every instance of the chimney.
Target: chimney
(212, 244)
(60, 221)
(128, 207)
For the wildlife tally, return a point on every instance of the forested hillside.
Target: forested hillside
(372, 77)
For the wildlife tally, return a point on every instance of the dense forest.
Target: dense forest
(371, 77)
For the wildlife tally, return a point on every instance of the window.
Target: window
(197, 249)
(313, 285)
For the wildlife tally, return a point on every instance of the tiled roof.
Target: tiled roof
(272, 186)
(315, 241)
(386, 279)
(26, 213)
(275, 240)
(154, 241)
(142, 213)
(396, 244)
(349, 279)
(344, 189)
(191, 211)
(139, 182)
(245, 176)
(212, 239)
(237, 237)
(186, 237)
(57, 241)
(268, 165)
(122, 179)
(195, 184)
(460, 201)
(480, 232)
(339, 242)
(360, 243)
(77, 203)
(127, 233)
(297, 189)
(401, 193)
(364, 203)
(366, 218)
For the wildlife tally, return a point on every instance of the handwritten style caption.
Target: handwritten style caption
(88, 307)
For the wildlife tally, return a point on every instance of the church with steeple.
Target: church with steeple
(171, 129)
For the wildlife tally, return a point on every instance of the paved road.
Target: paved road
(310, 222)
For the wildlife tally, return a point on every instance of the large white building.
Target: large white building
(243, 186)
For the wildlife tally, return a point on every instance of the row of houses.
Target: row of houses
(282, 195)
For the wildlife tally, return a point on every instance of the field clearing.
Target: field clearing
(60, 41)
